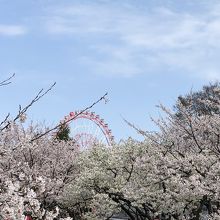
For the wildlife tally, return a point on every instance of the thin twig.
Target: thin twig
(7, 81)
(36, 98)
(6, 118)
(23, 110)
(67, 121)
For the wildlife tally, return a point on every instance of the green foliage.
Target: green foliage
(63, 133)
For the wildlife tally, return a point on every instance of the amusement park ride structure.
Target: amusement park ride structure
(89, 137)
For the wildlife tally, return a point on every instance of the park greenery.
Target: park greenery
(174, 173)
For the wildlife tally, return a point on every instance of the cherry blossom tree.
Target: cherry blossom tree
(201, 102)
(33, 173)
(35, 166)
(173, 174)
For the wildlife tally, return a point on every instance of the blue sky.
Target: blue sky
(141, 52)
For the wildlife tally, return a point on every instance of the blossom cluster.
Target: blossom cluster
(33, 174)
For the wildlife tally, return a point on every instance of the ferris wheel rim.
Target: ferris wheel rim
(92, 116)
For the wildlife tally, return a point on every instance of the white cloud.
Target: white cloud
(135, 41)
(12, 30)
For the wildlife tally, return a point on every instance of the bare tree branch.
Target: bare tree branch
(7, 81)
(23, 110)
(40, 94)
(6, 118)
(67, 121)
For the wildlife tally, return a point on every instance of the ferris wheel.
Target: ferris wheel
(88, 129)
